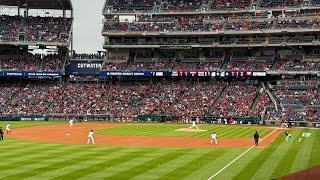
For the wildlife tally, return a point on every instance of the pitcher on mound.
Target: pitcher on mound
(194, 123)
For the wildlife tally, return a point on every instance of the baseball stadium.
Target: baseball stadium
(183, 89)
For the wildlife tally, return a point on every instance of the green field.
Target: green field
(169, 130)
(33, 160)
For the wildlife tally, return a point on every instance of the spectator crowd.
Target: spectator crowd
(200, 6)
(30, 62)
(203, 24)
(176, 98)
(34, 29)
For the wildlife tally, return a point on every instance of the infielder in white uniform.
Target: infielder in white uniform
(8, 129)
(214, 138)
(194, 124)
(90, 137)
(71, 122)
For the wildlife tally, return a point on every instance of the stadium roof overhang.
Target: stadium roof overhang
(39, 4)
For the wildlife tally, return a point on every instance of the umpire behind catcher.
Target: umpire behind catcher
(256, 138)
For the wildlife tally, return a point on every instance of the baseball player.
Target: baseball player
(71, 122)
(8, 129)
(90, 137)
(256, 138)
(1, 134)
(194, 124)
(288, 137)
(214, 138)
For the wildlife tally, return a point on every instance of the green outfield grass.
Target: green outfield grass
(33, 160)
(169, 130)
(19, 124)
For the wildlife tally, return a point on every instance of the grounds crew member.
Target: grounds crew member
(256, 138)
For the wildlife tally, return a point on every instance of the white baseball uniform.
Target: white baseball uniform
(8, 128)
(90, 138)
(214, 138)
(71, 123)
(194, 125)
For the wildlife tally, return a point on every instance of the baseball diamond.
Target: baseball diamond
(160, 89)
(41, 150)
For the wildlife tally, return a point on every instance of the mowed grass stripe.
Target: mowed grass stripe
(151, 164)
(129, 130)
(237, 167)
(243, 133)
(152, 130)
(169, 130)
(225, 132)
(50, 154)
(22, 150)
(280, 158)
(60, 165)
(107, 172)
(148, 130)
(249, 133)
(235, 132)
(165, 130)
(217, 129)
(305, 150)
(315, 154)
(58, 158)
(210, 167)
(8, 145)
(20, 124)
(193, 165)
(134, 129)
(30, 156)
(98, 166)
(250, 169)
(191, 155)
(85, 164)
(288, 160)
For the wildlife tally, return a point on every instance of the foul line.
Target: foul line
(245, 152)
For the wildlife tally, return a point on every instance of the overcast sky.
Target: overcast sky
(87, 25)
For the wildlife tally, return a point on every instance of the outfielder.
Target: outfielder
(214, 138)
(194, 124)
(90, 137)
(8, 129)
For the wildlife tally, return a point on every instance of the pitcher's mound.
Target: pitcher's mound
(190, 130)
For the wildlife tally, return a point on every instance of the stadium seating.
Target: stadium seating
(297, 97)
(184, 99)
(29, 62)
(237, 95)
(177, 99)
(6, 93)
(162, 66)
(297, 65)
(263, 103)
(36, 29)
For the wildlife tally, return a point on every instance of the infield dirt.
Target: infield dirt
(78, 135)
